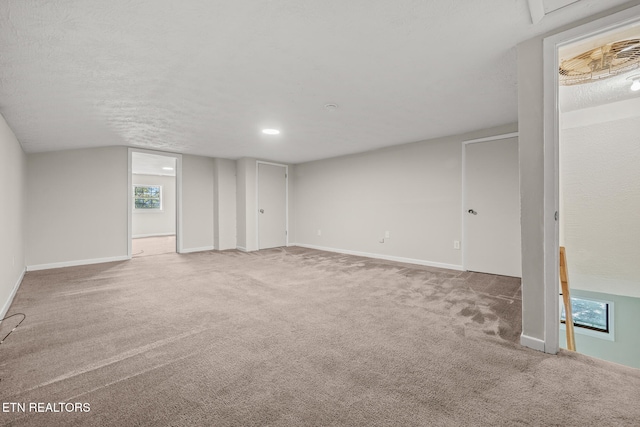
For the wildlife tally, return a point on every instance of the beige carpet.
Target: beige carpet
(292, 337)
(145, 246)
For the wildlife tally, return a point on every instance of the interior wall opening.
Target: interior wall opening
(599, 191)
(154, 199)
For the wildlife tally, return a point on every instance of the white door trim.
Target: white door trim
(178, 158)
(464, 180)
(286, 198)
(551, 119)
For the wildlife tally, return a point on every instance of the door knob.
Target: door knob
(472, 212)
(261, 210)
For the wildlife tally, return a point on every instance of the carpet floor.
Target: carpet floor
(290, 337)
(145, 246)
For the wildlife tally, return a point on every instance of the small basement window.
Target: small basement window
(147, 198)
(591, 317)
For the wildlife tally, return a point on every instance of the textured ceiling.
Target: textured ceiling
(203, 77)
(611, 90)
(605, 91)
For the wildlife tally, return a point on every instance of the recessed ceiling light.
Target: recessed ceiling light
(167, 168)
(331, 107)
(271, 131)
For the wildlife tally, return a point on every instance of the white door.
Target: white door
(492, 208)
(272, 206)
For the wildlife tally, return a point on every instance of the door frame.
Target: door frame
(464, 185)
(286, 199)
(178, 158)
(551, 188)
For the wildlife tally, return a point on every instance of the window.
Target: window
(147, 198)
(589, 314)
(590, 317)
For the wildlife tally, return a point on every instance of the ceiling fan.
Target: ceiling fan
(601, 63)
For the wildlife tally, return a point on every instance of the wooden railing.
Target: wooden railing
(566, 298)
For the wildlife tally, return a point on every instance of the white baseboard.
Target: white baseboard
(76, 263)
(202, 249)
(381, 256)
(241, 249)
(534, 343)
(12, 295)
(140, 236)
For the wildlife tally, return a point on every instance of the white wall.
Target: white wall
(600, 183)
(13, 167)
(532, 182)
(197, 203)
(414, 191)
(77, 206)
(156, 223)
(224, 204)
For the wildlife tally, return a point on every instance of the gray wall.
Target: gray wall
(77, 205)
(154, 223)
(224, 204)
(246, 199)
(246, 203)
(530, 124)
(414, 191)
(532, 173)
(13, 167)
(197, 203)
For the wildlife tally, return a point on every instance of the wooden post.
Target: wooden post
(566, 298)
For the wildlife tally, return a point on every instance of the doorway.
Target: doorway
(272, 205)
(154, 189)
(552, 126)
(492, 206)
(599, 194)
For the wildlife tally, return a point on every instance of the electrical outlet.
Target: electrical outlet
(456, 244)
(386, 235)
(319, 232)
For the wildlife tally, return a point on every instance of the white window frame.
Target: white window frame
(142, 210)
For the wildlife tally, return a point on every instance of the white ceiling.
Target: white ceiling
(204, 77)
(553, 5)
